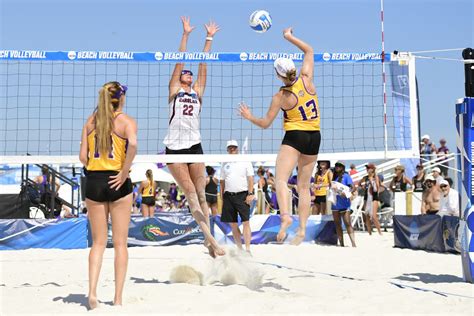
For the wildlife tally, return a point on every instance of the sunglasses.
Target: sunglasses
(232, 148)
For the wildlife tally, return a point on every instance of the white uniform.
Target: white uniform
(183, 130)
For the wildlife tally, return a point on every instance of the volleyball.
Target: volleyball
(260, 21)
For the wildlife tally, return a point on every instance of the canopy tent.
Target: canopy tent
(138, 171)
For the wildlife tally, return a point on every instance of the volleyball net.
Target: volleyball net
(45, 98)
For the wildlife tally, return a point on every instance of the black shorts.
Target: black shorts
(148, 200)
(98, 187)
(211, 198)
(233, 205)
(306, 142)
(193, 150)
(320, 199)
(431, 212)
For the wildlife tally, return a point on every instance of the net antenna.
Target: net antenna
(46, 96)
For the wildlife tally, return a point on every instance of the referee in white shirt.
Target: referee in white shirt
(237, 188)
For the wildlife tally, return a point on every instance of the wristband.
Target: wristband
(209, 38)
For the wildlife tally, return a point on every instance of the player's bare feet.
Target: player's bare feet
(286, 222)
(298, 238)
(214, 251)
(93, 303)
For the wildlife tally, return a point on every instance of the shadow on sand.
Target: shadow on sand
(429, 278)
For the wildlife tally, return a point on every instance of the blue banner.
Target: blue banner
(32, 233)
(265, 229)
(418, 232)
(183, 56)
(400, 81)
(451, 234)
(177, 228)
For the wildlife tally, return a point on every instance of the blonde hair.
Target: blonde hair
(149, 175)
(104, 116)
(291, 75)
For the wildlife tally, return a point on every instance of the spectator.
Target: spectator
(342, 205)
(47, 190)
(271, 182)
(147, 191)
(263, 186)
(353, 170)
(323, 178)
(419, 179)
(449, 202)
(437, 175)
(443, 151)
(237, 190)
(211, 190)
(371, 183)
(173, 194)
(399, 181)
(431, 197)
(428, 149)
(450, 181)
(292, 184)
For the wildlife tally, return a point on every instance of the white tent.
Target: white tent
(138, 171)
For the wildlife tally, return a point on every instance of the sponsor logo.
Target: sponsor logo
(301, 93)
(243, 56)
(158, 55)
(402, 81)
(185, 231)
(326, 56)
(414, 236)
(152, 232)
(71, 55)
(472, 170)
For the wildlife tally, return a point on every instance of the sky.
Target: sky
(329, 26)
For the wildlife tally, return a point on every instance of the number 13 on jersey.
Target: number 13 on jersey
(311, 106)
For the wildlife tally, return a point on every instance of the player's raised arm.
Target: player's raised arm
(307, 69)
(268, 119)
(174, 84)
(200, 84)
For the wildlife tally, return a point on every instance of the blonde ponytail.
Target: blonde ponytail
(149, 175)
(291, 75)
(104, 117)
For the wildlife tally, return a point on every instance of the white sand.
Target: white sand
(308, 279)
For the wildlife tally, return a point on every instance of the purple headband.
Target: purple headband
(123, 89)
(186, 72)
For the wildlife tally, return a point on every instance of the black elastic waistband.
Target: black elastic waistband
(234, 193)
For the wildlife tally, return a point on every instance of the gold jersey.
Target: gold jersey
(148, 189)
(305, 115)
(112, 161)
(323, 182)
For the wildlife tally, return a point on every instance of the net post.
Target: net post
(465, 146)
(415, 137)
(465, 149)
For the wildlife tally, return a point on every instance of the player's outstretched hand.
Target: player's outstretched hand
(187, 28)
(288, 32)
(212, 28)
(244, 111)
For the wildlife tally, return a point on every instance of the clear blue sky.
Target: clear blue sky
(330, 26)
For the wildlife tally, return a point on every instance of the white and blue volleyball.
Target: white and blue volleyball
(260, 21)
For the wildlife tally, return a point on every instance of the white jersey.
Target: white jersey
(183, 130)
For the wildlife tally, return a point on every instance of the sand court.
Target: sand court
(373, 278)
